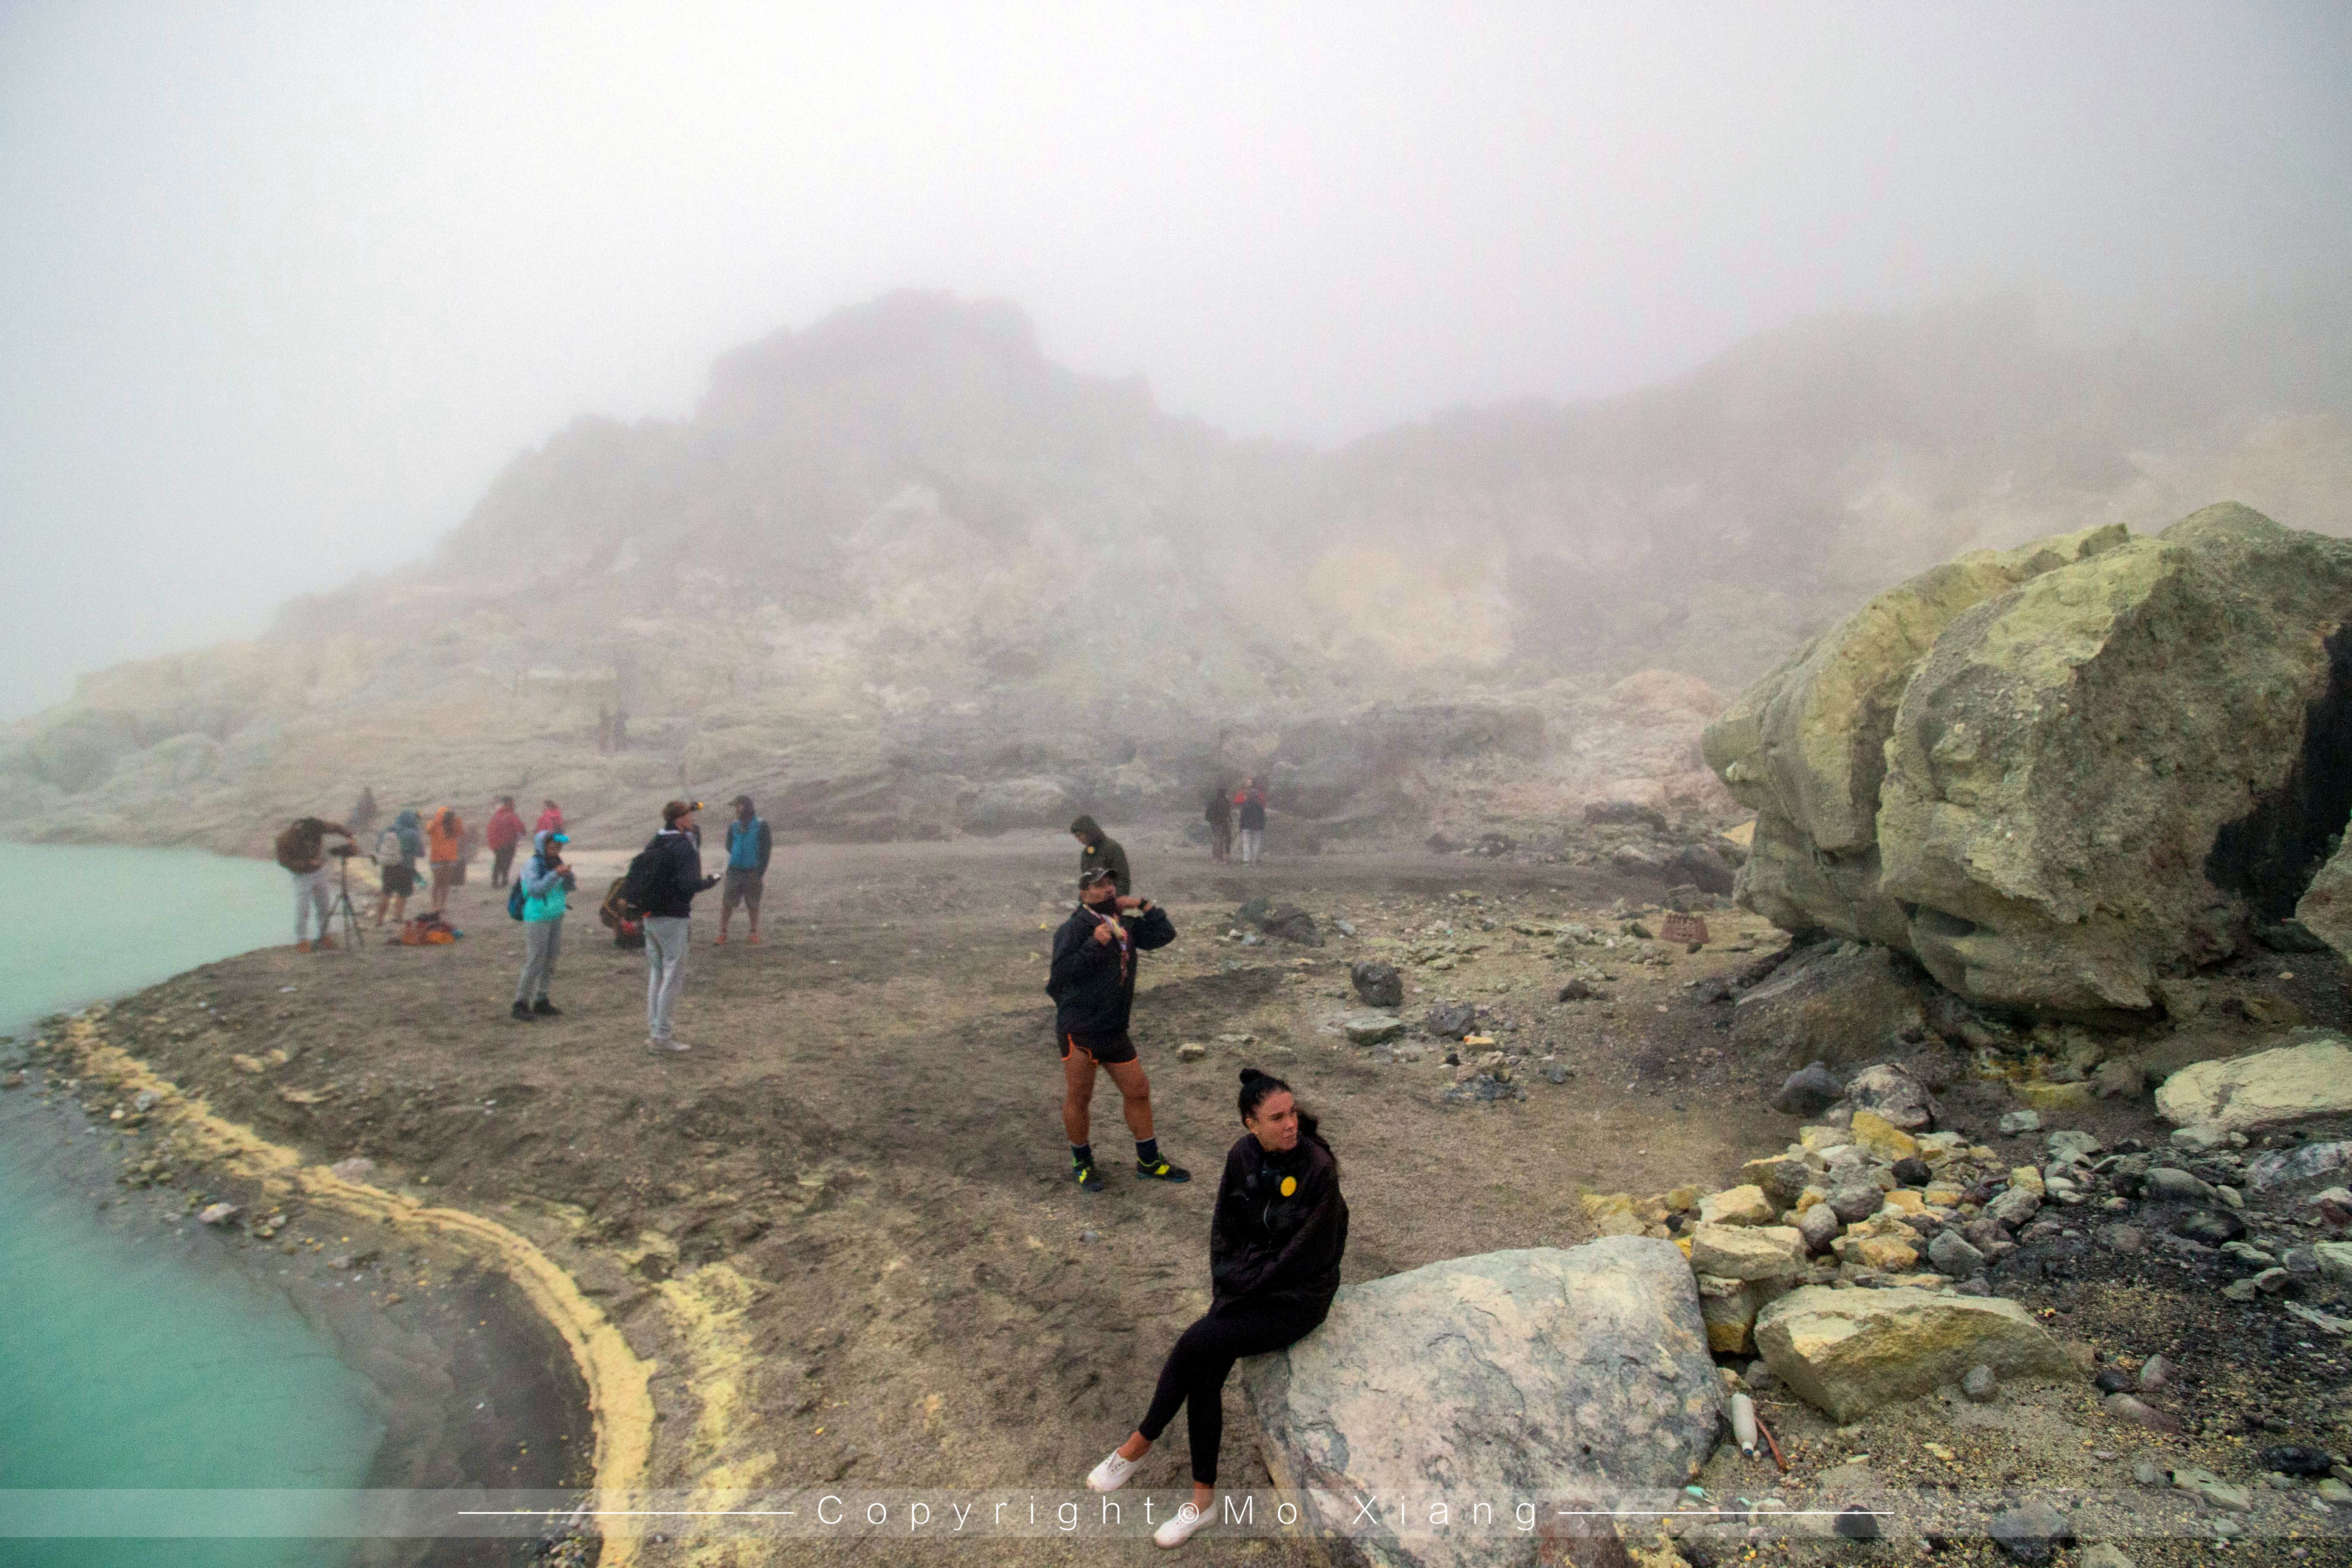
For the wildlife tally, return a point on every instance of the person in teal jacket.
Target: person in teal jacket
(547, 882)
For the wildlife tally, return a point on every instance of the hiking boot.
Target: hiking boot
(1161, 1170)
(1090, 1179)
(521, 1013)
(302, 946)
(546, 1009)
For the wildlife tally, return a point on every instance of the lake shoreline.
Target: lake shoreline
(477, 1349)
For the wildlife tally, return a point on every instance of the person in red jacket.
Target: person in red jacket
(550, 818)
(502, 832)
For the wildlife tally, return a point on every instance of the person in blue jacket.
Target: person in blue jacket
(547, 883)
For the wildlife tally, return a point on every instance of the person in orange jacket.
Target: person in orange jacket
(444, 843)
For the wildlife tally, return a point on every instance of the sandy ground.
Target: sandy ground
(841, 1226)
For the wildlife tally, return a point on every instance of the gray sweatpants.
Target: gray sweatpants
(665, 971)
(309, 894)
(542, 941)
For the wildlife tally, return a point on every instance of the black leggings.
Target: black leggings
(1194, 1375)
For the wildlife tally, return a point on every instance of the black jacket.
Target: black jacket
(676, 877)
(1093, 982)
(1265, 1242)
(1105, 851)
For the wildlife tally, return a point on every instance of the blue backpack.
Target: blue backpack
(514, 894)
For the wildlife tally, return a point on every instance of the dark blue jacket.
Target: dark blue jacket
(1093, 982)
(676, 877)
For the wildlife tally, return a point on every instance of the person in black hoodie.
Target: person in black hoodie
(1092, 982)
(670, 885)
(1274, 1243)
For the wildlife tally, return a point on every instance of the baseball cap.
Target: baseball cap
(678, 808)
(559, 839)
(1092, 875)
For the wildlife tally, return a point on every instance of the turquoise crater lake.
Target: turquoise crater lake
(138, 1353)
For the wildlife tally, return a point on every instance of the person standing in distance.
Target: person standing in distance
(749, 844)
(1092, 982)
(444, 841)
(503, 834)
(301, 848)
(1251, 799)
(671, 882)
(1097, 849)
(1276, 1239)
(547, 883)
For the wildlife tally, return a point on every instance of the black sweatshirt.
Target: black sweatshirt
(1093, 982)
(1264, 1243)
(676, 877)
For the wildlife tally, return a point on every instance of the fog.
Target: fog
(282, 287)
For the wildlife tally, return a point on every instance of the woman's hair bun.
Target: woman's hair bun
(1250, 1075)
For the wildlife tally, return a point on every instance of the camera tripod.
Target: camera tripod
(341, 912)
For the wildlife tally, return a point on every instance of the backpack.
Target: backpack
(630, 895)
(514, 899)
(289, 848)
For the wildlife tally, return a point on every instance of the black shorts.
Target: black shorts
(400, 880)
(1107, 1050)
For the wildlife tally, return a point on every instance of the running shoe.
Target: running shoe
(720, 941)
(1111, 1474)
(1088, 1179)
(1161, 1170)
(522, 1013)
(1179, 1530)
(658, 1046)
(546, 1009)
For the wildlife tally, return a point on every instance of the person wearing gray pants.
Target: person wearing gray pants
(671, 882)
(544, 884)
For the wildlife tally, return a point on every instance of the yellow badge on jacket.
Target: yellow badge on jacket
(1289, 1185)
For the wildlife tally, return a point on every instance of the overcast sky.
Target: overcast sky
(281, 288)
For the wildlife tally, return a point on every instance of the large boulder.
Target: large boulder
(1804, 746)
(2241, 1094)
(1508, 1373)
(1849, 1352)
(2112, 764)
(1834, 1002)
(2326, 908)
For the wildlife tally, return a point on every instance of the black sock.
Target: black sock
(1146, 1151)
(1082, 1154)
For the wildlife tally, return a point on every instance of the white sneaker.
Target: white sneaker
(653, 1045)
(1111, 1474)
(1179, 1530)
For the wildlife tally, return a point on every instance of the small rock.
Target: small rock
(1913, 1172)
(2029, 1532)
(2210, 1227)
(2169, 1185)
(2197, 1139)
(2072, 1148)
(2018, 1121)
(359, 1167)
(1895, 1095)
(1819, 1225)
(1371, 1028)
(1979, 1385)
(2112, 1380)
(1190, 1051)
(1379, 984)
(2205, 1484)
(1810, 1091)
(1089, 1235)
(1855, 1203)
(2154, 1373)
(2296, 1459)
(1577, 991)
(2124, 1238)
(2014, 1207)
(2283, 1166)
(143, 1101)
(13, 1080)
(2273, 1281)
(2240, 1290)
(1735, 1205)
(2105, 1555)
(1856, 1525)
(1450, 1020)
(2333, 1490)
(2139, 1413)
(1555, 1072)
(1879, 1137)
(216, 1213)
(1952, 1256)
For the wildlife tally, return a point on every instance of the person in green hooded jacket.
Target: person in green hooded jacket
(1098, 850)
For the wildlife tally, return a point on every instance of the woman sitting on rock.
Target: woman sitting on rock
(1274, 1243)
